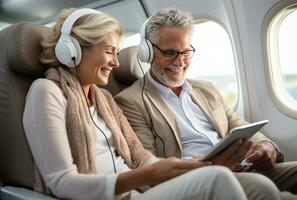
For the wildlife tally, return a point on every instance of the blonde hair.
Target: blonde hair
(89, 30)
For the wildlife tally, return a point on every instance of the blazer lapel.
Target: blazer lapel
(201, 101)
(153, 94)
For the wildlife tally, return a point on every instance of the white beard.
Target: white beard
(166, 81)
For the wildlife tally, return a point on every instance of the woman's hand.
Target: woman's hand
(172, 167)
(156, 173)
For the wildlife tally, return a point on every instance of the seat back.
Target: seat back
(128, 71)
(19, 66)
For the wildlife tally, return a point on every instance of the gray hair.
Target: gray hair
(170, 17)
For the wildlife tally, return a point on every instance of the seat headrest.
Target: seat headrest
(19, 66)
(130, 67)
(23, 48)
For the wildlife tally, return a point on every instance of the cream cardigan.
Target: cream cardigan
(80, 130)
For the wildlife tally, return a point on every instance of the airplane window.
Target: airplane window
(282, 60)
(214, 60)
(287, 50)
(3, 25)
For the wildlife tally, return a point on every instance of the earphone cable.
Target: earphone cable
(155, 134)
(85, 96)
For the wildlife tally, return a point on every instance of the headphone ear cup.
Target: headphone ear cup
(62, 51)
(77, 49)
(66, 49)
(145, 51)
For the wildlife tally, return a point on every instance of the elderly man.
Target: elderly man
(173, 116)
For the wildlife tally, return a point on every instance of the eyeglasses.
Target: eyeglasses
(171, 55)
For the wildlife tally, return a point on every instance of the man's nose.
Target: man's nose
(179, 59)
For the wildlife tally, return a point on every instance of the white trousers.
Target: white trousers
(216, 182)
(258, 186)
(211, 182)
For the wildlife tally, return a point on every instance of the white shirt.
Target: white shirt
(104, 163)
(45, 127)
(196, 133)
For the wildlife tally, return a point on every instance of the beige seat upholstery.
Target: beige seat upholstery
(19, 66)
(128, 72)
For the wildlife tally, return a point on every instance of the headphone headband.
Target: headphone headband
(143, 27)
(68, 48)
(71, 19)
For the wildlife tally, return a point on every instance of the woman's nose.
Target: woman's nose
(115, 61)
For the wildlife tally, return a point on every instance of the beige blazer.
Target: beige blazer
(155, 125)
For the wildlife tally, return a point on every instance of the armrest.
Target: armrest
(16, 193)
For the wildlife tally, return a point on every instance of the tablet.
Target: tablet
(240, 132)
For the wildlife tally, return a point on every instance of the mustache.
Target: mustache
(172, 66)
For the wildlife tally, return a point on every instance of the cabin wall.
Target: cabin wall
(250, 16)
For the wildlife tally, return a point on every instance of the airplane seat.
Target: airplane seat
(19, 67)
(128, 72)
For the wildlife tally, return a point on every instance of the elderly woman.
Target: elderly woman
(82, 144)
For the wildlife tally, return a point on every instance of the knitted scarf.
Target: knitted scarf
(81, 131)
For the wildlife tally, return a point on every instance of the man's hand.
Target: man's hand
(264, 156)
(234, 154)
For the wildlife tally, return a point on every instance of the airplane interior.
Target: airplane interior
(247, 49)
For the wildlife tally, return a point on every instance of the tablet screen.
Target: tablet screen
(240, 132)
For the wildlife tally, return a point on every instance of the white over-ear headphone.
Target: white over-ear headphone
(68, 48)
(145, 49)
